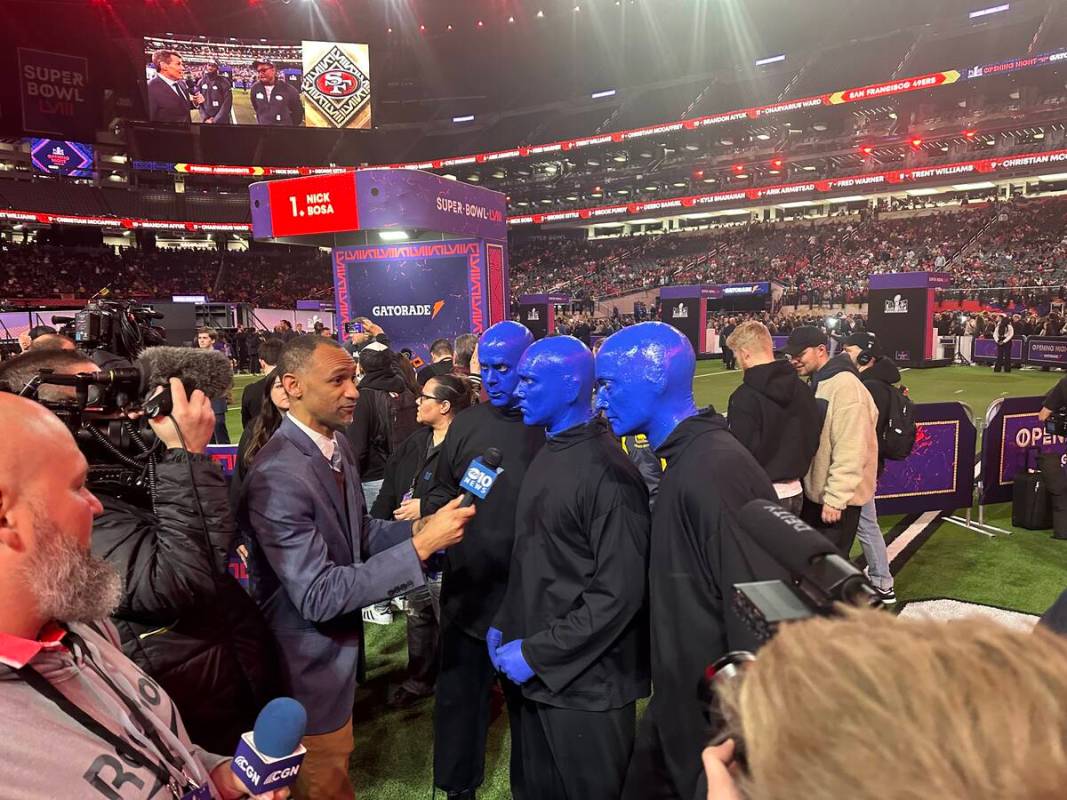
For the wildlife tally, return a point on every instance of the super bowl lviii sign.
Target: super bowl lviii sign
(422, 256)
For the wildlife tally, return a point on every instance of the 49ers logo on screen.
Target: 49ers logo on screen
(337, 83)
(322, 204)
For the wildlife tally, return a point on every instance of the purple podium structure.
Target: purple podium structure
(538, 312)
(900, 312)
(424, 257)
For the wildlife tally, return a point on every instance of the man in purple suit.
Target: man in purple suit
(316, 558)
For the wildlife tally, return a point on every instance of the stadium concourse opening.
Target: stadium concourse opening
(409, 180)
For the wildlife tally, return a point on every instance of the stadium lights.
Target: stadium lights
(540, 14)
(465, 118)
(922, 192)
(776, 163)
(866, 150)
(393, 236)
(985, 12)
(969, 134)
(738, 168)
(760, 62)
(965, 187)
(852, 198)
(481, 24)
(1052, 177)
(917, 142)
(605, 93)
(511, 19)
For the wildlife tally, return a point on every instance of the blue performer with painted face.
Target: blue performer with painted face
(476, 574)
(645, 385)
(573, 624)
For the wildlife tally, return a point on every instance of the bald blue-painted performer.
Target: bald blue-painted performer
(573, 627)
(645, 385)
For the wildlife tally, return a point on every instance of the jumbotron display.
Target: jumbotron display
(236, 82)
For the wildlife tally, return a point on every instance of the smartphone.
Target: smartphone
(353, 327)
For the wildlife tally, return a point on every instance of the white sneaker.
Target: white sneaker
(379, 614)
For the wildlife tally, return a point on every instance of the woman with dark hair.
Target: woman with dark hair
(1002, 335)
(259, 432)
(409, 476)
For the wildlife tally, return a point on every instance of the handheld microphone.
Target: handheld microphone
(821, 574)
(269, 757)
(480, 477)
(207, 370)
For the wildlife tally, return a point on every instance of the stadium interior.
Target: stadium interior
(640, 145)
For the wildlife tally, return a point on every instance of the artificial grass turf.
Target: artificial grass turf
(1024, 572)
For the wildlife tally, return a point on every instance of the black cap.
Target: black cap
(258, 61)
(864, 341)
(802, 338)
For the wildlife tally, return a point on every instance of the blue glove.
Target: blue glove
(492, 640)
(513, 663)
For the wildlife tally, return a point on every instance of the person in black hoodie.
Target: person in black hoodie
(572, 630)
(409, 477)
(880, 375)
(645, 385)
(773, 414)
(476, 570)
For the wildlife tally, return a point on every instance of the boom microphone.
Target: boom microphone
(269, 757)
(207, 370)
(480, 477)
(819, 572)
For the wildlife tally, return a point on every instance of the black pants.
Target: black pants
(569, 754)
(648, 777)
(1056, 484)
(1003, 358)
(423, 628)
(461, 714)
(728, 359)
(842, 533)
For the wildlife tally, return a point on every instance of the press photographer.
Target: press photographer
(166, 525)
(1053, 416)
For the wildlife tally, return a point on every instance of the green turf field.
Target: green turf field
(1025, 571)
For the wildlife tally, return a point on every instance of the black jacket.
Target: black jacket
(410, 468)
(183, 618)
(442, 367)
(577, 586)
(879, 379)
(252, 401)
(365, 433)
(218, 98)
(647, 462)
(774, 415)
(697, 554)
(476, 569)
(165, 104)
(283, 108)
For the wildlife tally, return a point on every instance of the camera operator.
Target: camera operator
(70, 700)
(1053, 415)
(182, 617)
(975, 710)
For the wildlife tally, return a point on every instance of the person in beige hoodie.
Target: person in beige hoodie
(843, 474)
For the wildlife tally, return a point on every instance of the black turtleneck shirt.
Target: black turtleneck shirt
(577, 588)
(476, 569)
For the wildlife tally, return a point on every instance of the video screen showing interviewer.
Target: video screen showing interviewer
(244, 82)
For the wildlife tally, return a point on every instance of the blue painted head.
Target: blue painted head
(644, 378)
(556, 384)
(499, 351)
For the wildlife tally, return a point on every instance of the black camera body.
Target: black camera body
(1056, 425)
(122, 327)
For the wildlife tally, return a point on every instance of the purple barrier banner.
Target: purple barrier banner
(417, 292)
(986, 350)
(225, 455)
(1010, 443)
(938, 475)
(1042, 351)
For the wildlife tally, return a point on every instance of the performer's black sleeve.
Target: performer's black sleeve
(611, 598)
(447, 475)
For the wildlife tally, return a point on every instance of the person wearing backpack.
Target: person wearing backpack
(895, 430)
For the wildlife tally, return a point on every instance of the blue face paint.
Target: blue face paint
(499, 351)
(555, 386)
(644, 380)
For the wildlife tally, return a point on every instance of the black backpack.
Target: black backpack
(396, 420)
(898, 438)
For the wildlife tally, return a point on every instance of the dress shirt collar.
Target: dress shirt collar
(326, 444)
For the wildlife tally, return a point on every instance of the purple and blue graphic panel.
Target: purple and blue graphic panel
(1044, 351)
(938, 475)
(417, 292)
(58, 157)
(985, 350)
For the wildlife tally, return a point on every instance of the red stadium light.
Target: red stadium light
(450, 26)
(738, 168)
(916, 142)
(698, 174)
(866, 150)
(422, 28)
(970, 134)
(481, 24)
(776, 163)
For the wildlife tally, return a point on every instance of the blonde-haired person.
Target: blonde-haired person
(967, 710)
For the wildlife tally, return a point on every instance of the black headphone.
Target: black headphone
(864, 358)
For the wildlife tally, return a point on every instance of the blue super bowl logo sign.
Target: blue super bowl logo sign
(479, 479)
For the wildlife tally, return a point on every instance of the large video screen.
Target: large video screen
(238, 82)
(59, 157)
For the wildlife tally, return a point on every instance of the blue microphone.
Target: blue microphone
(480, 477)
(269, 757)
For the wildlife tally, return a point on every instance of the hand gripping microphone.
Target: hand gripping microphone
(207, 370)
(480, 477)
(819, 572)
(269, 757)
